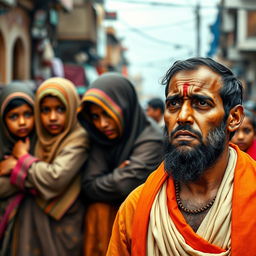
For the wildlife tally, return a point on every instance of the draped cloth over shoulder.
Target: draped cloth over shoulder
(243, 210)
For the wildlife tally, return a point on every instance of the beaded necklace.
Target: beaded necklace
(183, 208)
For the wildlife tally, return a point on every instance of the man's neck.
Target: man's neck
(198, 194)
(208, 184)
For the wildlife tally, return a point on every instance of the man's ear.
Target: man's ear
(235, 118)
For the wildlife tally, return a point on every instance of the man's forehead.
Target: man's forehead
(186, 81)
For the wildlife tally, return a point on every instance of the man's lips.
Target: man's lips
(184, 134)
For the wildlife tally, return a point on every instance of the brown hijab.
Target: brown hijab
(48, 146)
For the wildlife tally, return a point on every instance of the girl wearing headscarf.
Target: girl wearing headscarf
(126, 148)
(50, 222)
(16, 122)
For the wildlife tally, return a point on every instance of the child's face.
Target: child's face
(53, 115)
(20, 121)
(244, 136)
(103, 122)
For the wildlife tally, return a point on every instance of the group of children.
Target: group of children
(66, 164)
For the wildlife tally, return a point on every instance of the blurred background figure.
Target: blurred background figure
(245, 135)
(126, 148)
(155, 110)
(250, 105)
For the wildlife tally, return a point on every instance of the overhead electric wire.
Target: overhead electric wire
(166, 26)
(154, 39)
(163, 4)
(153, 3)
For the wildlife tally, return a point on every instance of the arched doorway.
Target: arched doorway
(18, 68)
(2, 60)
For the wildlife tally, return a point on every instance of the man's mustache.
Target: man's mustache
(185, 127)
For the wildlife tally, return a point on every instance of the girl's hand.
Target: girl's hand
(21, 148)
(7, 165)
(124, 164)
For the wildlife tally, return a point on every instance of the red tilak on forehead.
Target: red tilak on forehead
(185, 89)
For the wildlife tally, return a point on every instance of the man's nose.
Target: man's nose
(185, 115)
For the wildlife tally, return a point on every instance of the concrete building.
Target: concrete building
(15, 43)
(66, 38)
(237, 47)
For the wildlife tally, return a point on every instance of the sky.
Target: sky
(158, 32)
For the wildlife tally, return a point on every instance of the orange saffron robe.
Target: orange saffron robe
(129, 234)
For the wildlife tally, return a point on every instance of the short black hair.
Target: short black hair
(232, 90)
(156, 103)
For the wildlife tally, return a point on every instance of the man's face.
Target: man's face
(193, 99)
(194, 123)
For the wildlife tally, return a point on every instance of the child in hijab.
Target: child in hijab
(126, 148)
(16, 123)
(50, 222)
(244, 137)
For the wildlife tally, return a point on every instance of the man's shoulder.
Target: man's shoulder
(132, 199)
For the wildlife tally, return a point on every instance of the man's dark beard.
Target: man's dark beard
(187, 165)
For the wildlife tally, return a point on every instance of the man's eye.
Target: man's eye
(173, 103)
(202, 102)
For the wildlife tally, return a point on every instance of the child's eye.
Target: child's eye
(28, 114)
(94, 116)
(45, 110)
(247, 130)
(13, 117)
(61, 109)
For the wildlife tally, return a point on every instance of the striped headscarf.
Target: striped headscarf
(47, 146)
(117, 96)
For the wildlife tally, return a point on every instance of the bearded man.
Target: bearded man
(202, 198)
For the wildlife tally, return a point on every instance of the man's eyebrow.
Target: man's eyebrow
(193, 96)
(174, 97)
(201, 97)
